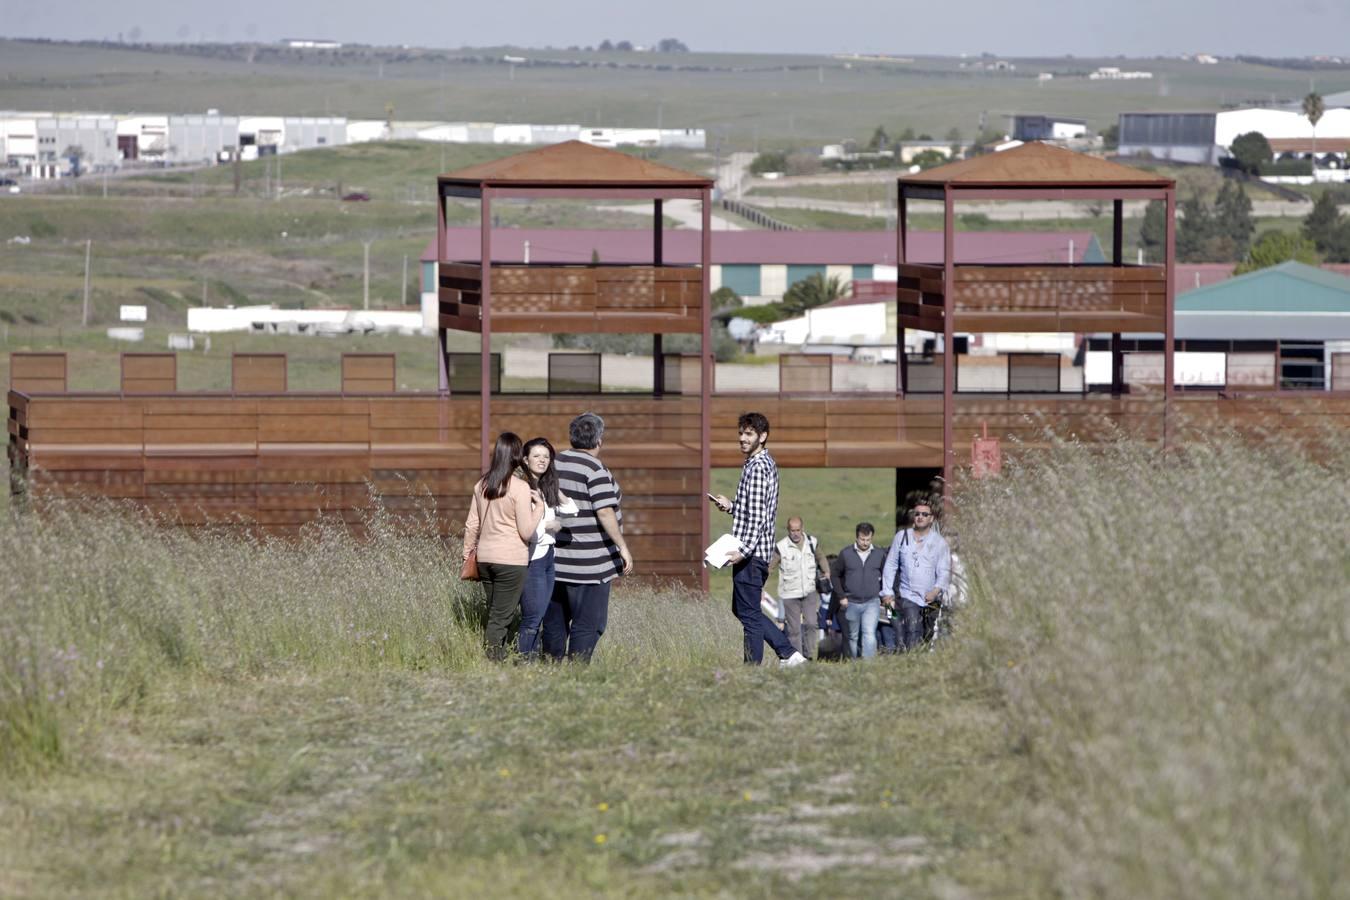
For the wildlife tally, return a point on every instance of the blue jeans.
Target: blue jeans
(575, 620)
(860, 624)
(747, 584)
(534, 603)
(888, 636)
(916, 624)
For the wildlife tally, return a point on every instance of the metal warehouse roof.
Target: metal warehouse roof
(681, 246)
(1291, 301)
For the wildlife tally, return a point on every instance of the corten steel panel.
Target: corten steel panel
(37, 373)
(369, 373)
(804, 373)
(258, 373)
(149, 373)
(1037, 373)
(574, 373)
(466, 372)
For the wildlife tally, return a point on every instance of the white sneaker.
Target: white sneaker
(796, 659)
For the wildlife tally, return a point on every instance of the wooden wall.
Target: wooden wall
(575, 299)
(1041, 298)
(272, 464)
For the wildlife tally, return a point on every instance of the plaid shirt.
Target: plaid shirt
(755, 506)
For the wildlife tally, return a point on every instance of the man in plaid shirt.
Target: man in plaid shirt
(753, 510)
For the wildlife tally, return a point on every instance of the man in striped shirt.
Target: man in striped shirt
(752, 524)
(589, 550)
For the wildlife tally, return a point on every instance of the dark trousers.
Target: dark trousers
(502, 584)
(888, 636)
(747, 584)
(917, 624)
(534, 602)
(575, 619)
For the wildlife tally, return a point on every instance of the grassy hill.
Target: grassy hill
(744, 99)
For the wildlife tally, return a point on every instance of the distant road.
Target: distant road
(1004, 212)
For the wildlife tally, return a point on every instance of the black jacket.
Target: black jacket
(855, 579)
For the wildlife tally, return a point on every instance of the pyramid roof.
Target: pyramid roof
(1036, 164)
(575, 164)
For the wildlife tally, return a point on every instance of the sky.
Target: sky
(1003, 27)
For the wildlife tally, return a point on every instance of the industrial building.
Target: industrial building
(1205, 137)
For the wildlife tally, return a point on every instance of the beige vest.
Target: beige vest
(796, 567)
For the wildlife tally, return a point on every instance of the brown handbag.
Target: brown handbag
(469, 571)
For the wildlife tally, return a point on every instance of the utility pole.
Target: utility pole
(403, 295)
(365, 283)
(278, 177)
(84, 317)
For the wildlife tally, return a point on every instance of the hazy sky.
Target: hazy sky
(1005, 27)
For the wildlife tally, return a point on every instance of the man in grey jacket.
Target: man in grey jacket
(858, 585)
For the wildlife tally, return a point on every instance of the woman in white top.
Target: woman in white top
(543, 477)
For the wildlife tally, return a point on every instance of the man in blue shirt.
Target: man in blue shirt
(920, 565)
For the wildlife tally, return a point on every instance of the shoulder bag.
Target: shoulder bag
(469, 571)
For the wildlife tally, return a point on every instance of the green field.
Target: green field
(1134, 705)
(745, 100)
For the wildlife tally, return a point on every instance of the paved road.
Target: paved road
(1005, 212)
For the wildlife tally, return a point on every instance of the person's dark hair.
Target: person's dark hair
(547, 484)
(864, 528)
(586, 431)
(506, 457)
(757, 421)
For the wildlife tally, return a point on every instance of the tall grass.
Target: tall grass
(1171, 642)
(99, 604)
(1151, 686)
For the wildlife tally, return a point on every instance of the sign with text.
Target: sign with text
(133, 313)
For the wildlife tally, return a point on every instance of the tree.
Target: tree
(1275, 247)
(954, 142)
(812, 291)
(624, 46)
(1313, 107)
(880, 139)
(1110, 136)
(1195, 231)
(1323, 223)
(725, 298)
(1153, 231)
(926, 159)
(1252, 151)
(605, 46)
(1233, 217)
(907, 134)
(769, 161)
(671, 45)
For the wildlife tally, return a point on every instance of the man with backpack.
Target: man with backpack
(800, 566)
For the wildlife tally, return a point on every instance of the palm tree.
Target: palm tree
(814, 290)
(1313, 107)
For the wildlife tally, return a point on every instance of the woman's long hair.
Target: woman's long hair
(546, 484)
(506, 458)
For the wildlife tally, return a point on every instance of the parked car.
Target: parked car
(9, 186)
(356, 197)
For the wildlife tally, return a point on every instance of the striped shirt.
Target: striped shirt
(583, 553)
(755, 506)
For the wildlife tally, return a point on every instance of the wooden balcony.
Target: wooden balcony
(551, 299)
(1036, 298)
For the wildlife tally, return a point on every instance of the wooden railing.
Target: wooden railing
(572, 299)
(1036, 298)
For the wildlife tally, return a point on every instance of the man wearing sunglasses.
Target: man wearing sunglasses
(918, 571)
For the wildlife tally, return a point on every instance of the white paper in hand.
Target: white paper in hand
(715, 557)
